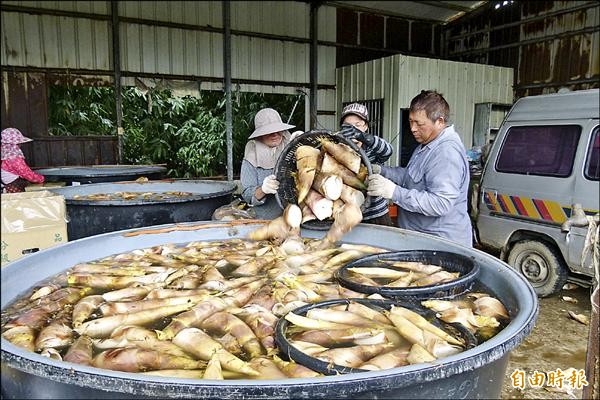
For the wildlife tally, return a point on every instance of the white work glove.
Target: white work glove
(295, 134)
(376, 168)
(380, 187)
(270, 185)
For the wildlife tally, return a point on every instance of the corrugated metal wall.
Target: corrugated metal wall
(550, 44)
(179, 38)
(571, 55)
(48, 41)
(173, 51)
(397, 79)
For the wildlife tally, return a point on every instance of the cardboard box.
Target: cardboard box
(31, 221)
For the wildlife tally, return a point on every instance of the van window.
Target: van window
(592, 164)
(539, 150)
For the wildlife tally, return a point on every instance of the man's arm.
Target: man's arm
(444, 175)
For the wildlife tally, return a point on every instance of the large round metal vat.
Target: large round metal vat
(93, 217)
(476, 373)
(101, 173)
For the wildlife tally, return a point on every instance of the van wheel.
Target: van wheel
(540, 264)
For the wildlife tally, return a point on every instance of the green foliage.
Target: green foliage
(80, 111)
(186, 133)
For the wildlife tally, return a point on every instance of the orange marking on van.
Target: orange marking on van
(530, 208)
(556, 211)
(507, 204)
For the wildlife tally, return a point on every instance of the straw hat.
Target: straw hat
(268, 121)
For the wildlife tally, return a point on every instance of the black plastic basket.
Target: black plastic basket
(326, 368)
(286, 164)
(451, 262)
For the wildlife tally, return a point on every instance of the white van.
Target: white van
(545, 159)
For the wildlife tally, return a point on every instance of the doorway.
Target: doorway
(407, 141)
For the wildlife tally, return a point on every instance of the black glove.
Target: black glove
(352, 132)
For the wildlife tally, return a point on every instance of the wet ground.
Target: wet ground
(557, 341)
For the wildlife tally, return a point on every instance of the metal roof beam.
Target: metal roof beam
(353, 7)
(445, 5)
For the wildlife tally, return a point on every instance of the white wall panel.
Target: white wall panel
(397, 79)
(48, 41)
(163, 50)
(264, 59)
(94, 7)
(12, 45)
(33, 52)
(327, 23)
(286, 18)
(201, 13)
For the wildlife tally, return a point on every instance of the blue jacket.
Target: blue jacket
(432, 189)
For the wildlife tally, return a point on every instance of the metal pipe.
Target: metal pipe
(114, 8)
(227, 76)
(556, 84)
(589, 29)
(446, 6)
(314, 68)
(368, 10)
(300, 94)
(58, 13)
(196, 78)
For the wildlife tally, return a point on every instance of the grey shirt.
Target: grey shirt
(432, 189)
(251, 179)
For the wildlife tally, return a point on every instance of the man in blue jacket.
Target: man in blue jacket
(432, 190)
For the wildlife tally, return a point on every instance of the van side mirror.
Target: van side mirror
(577, 218)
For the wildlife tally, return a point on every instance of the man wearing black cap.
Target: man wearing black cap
(354, 125)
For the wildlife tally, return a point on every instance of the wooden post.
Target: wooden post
(592, 361)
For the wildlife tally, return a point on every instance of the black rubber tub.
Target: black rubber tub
(457, 330)
(449, 261)
(81, 175)
(93, 217)
(475, 373)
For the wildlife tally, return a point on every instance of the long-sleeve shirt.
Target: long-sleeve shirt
(432, 190)
(251, 179)
(378, 153)
(18, 166)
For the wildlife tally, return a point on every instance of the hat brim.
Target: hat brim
(361, 116)
(21, 140)
(270, 128)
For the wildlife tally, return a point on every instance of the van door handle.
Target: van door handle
(495, 194)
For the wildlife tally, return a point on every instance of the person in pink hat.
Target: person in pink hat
(264, 146)
(15, 171)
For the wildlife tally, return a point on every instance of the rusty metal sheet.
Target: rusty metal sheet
(36, 154)
(108, 151)
(73, 152)
(24, 103)
(79, 80)
(17, 104)
(57, 153)
(91, 154)
(551, 44)
(37, 101)
(66, 151)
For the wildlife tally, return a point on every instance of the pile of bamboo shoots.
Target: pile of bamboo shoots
(330, 185)
(209, 309)
(354, 335)
(400, 274)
